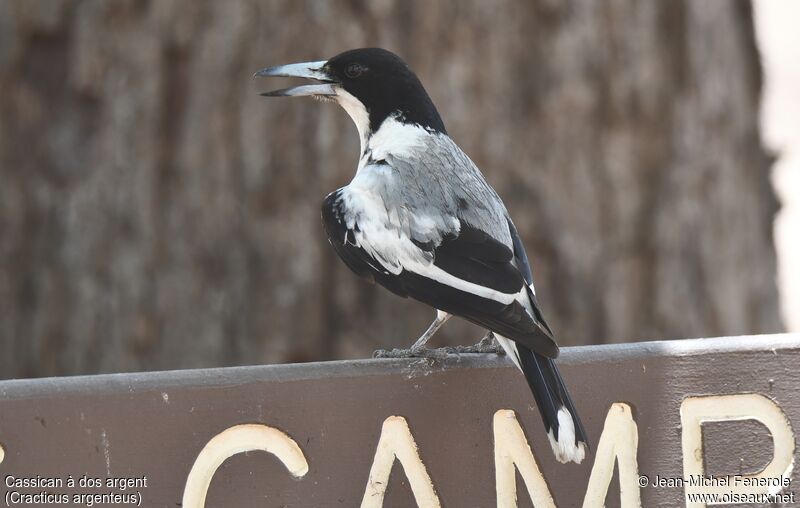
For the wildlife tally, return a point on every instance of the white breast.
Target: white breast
(396, 138)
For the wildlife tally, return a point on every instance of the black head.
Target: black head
(377, 78)
(385, 85)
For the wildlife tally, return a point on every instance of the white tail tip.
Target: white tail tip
(566, 449)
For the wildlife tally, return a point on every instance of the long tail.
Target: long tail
(564, 428)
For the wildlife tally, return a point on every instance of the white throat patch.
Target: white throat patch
(357, 112)
(393, 136)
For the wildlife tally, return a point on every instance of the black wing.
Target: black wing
(344, 243)
(521, 261)
(475, 259)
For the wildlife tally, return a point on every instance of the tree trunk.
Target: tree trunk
(156, 213)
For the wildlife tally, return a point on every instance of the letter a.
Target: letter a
(396, 442)
(511, 450)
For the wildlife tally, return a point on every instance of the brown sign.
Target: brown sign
(671, 424)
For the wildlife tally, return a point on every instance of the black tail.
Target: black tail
(561, 420)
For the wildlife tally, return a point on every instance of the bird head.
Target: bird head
(371, 84)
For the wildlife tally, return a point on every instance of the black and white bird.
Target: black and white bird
(420, 219)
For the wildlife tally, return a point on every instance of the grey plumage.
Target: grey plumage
(441, 182)
(430, 190)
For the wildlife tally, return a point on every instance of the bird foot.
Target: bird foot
(422, 352)
(488, 344)
(476, 349)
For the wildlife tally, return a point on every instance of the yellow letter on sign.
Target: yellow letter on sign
(742, 406)
(238, 439)
(511, 450)
(619, 443)
(396, 442)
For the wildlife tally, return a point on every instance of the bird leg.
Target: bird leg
(487, 344)
(441, 318)
(418, 349)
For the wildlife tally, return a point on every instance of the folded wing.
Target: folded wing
(469, 272)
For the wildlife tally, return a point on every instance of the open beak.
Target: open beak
(308, 70)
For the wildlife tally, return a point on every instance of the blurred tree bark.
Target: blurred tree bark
(155, 212)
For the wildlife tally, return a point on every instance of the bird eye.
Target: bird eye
(354, 70)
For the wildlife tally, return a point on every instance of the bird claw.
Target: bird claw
(488, 344)
(437, 354)
(476, 349)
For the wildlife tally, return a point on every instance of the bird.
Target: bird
(420, 219)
